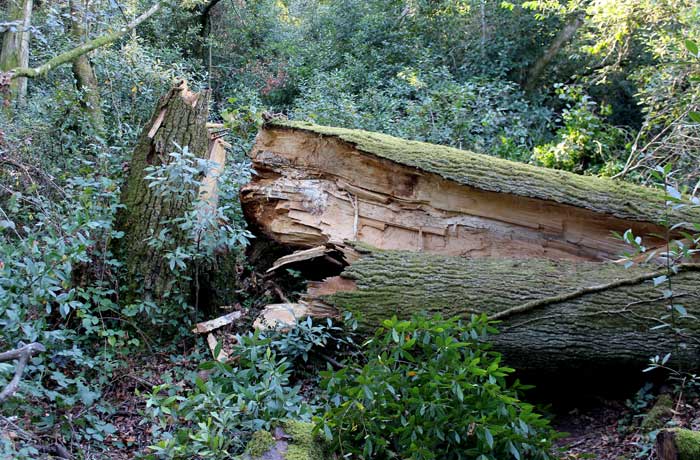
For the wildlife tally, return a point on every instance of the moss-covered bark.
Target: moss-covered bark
(179, 119)
(85, 78)
(678, 444)
(580, 314)
(15, 45)
(616, 198)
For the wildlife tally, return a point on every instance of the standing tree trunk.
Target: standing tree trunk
(564, 36)
(178, 120)
(85, 78)
(15, 46)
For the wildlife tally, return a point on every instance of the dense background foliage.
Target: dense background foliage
(592, 86)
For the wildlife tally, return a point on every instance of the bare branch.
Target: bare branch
(22, 354)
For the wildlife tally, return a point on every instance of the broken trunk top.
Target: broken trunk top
(620, 199)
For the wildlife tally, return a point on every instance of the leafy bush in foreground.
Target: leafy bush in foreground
(431, 389)
(218, 416)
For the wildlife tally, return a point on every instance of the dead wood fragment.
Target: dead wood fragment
(213, 343)
(217, 323)
(280, 316)
(338, 254)
(298, 256)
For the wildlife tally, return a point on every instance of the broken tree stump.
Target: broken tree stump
(443, 230)
(678, 444)
(179, 120)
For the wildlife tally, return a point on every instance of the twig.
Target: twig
(55, 450)
(334, 362)
(23, 354)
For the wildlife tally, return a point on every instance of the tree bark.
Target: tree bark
(15, 46)
(178, 120)
(85, 78)
(552, 314)
(560, 40)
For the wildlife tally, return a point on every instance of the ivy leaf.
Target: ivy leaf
(692, 47)
(659, 279)
(489, 438)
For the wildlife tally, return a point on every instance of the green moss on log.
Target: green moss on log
(305, 445)
(658, 415)
(620, 199)
(611, 326)
(688, 443)
(261, 442)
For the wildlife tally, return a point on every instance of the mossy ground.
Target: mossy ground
(302, 445)
(305, 445)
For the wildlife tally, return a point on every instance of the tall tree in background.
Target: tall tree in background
(15, 45)
(85, 78)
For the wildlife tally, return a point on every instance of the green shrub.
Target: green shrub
(219, 415)
(585, 141)
(431, 389)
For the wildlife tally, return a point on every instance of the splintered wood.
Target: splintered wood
(217, 323)
(311, 190)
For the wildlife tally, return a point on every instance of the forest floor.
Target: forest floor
(609, 429)
(595, 432)
(594, 428)
(602, 429)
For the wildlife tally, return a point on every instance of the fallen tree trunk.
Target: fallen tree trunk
(553, 314)
(316, 185)
(444, 230)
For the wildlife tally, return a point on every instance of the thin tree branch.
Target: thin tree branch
(22, 354)
(86, 47)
